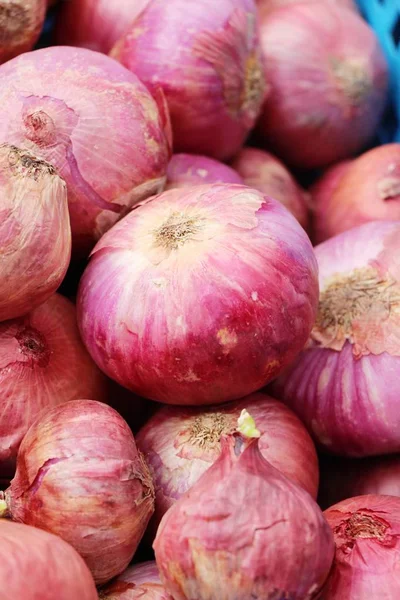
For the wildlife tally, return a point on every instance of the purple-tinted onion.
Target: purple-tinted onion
(189, 169)
(141, 581)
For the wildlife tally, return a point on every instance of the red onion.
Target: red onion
(180, 444)
(366, 564)
(243, 531)
(80, 476)
(263, 171)
(345, 384)
(206, 57)
(21, 22)
(35, 234)
(188, 169)
(369, 190)
(80, 111)
(141, 581)
(328, 81)
(225, 288)
(42, 363)
(35, 564)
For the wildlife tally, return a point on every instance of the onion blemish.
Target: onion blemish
(33, 346)
(177, 230)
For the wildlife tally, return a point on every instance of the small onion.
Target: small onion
(328, 81)
(35, 564)
(200, 296)
(142, 581)
(345, 384)
(368, 190)
(243, 531)
(42, 363)
(189, 169)
(206, 57)
(35, 233)
(96, 123)
(21, 22)
(263, 171)
(79, 475)
(366, 565)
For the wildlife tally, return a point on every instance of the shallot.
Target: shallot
(21, 22)
(189, 169)
(141, 581)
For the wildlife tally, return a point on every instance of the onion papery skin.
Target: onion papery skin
(141, 581)
(328, 83)
(200, 296)
(264, 172)
(189, 169)
(369, 190)
(366, 565)
(36, 564)
(35, 233)
(220, 540)
(21, 22)
(180, 444)
(80, 476)
(43, 362)
(344, 385)
(206, 57)
(80, 111)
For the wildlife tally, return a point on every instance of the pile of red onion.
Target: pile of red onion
(141, 581)
(189, 169)
(21, 22)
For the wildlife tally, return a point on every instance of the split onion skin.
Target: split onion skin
(141, 581)
(227, 335)
(189, 169)
(21, 22)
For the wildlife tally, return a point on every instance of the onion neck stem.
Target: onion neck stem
(4, 512)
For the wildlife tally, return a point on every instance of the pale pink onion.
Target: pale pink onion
(199, 296)
(345, 385)
(21, 22)
(42, 363)
(328, 80)
(206, 57)
(141, 581)
(96, 123)
(189, 169)
(35, 232)
(80, 476)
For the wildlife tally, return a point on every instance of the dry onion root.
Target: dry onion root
(21, 22)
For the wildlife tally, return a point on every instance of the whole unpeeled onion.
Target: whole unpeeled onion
(263, 171)
(141, 581)
(345, 385)
(328, 80)
(35, 564)
(189, 169)
(243, 531)
(21, 22)
(206, 57)
(368, 190)
(80, 476)
(367, 560)
(96, 123)
(42, 363)
(35, 233)
(199, 296)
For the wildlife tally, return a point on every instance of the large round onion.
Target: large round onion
(368, 190)
(142, 581)
(95, 122)
(206, 57)
(345, 384)
(42, 363)
(35, 233)
(35, 564)
(328, 81)
(199, 296)
(367, 533)
(189, 169)
(21, 22)
(263, 171)
(80, 476)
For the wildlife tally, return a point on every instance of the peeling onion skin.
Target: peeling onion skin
(43, 362)
(344, 385)
(80, 111)
(35, 232)
(328, 83)
(180, 444)
(35, 564)
(264, 172)
(220, 540)
(367, 559)
(200, 296)
(21, 22)
(189, 169)
(141, 581)
(80, 476)
(207, 59)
